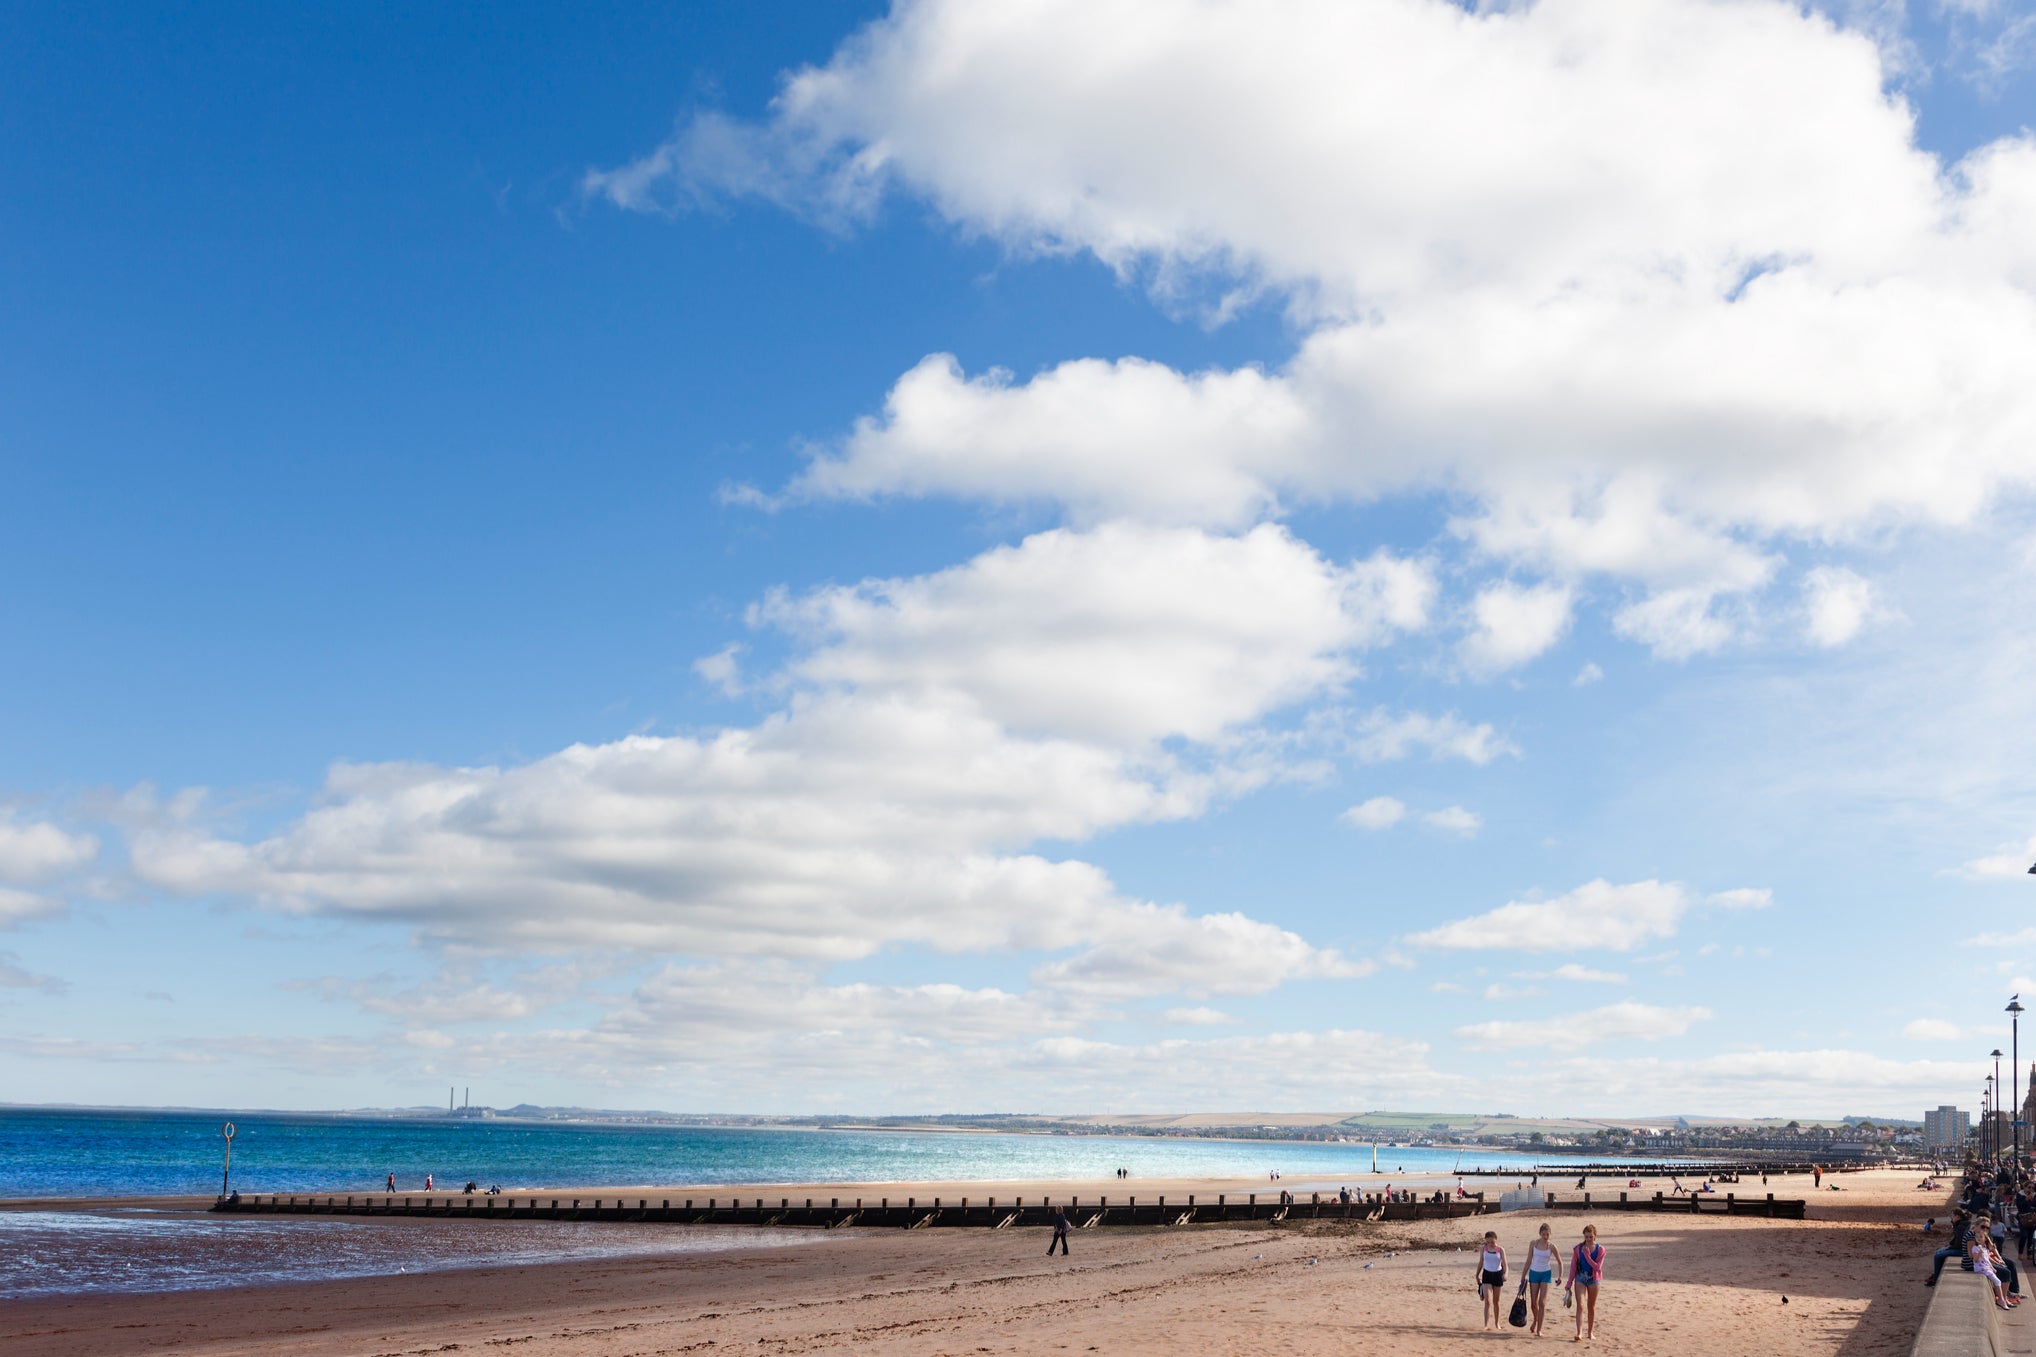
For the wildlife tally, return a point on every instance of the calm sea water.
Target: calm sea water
(126, 1154)
(100, 1154)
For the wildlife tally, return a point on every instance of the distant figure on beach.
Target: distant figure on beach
(392, 1182)
(1586, 1270)
(1816, 1176)
(1060, 1229)
(1544, 1266)
(1492, 1280)
(427, 1183)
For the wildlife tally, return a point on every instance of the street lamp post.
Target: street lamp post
(1986, 1119)
(1996, 1053)
(2014, 1011)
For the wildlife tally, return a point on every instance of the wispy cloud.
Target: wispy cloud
(1573, 1031)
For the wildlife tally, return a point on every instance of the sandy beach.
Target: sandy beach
(1676, 1285)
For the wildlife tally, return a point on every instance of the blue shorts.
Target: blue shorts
(1542, 1277)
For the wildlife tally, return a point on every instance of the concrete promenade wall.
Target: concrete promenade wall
(1961, 1320)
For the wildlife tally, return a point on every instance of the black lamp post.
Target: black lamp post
(1986, 1118)
(1996, 1053)
(2014, 1012)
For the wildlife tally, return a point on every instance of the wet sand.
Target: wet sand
(1676, 1285)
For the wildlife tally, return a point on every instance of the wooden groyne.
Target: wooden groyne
(1731, 1169)
(906, 1213)
(913, 1213)
(1691, 1204)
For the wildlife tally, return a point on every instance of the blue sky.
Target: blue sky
(1029, 557)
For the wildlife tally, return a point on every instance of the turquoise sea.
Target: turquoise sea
(51, 1153)
(48, 1153)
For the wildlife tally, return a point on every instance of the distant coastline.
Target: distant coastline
(1613, 1137)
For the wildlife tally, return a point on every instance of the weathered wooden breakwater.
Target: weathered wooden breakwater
(1686, 1168)
(913, 1213)
(908, 1213)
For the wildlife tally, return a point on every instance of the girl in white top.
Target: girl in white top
(1492, 1279)
(1544, 1265)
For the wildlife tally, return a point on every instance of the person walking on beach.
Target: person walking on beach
(1544, 1266)
(1060, 1229)
(392, 1182)
(1586, 1270)
(1492, 1280)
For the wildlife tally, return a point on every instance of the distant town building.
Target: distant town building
(1946, 1128)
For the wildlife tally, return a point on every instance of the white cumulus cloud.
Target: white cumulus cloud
(1454, 820)
(1381, 812)
(1596, 915)
(33, 851)
(1837, 603)
(1933, 1029)
(1513, 624)
(1661, 288)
